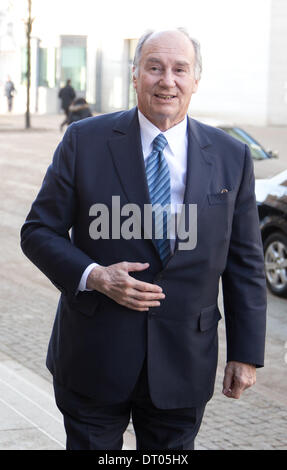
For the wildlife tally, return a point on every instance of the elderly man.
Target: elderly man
(136, 326)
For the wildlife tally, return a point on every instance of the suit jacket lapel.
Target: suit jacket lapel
(199, 170)
(126, 149)
(199, 165)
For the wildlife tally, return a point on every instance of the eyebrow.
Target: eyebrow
(178, 62)
(183, 63)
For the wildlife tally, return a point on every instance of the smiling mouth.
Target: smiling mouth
(165, 97)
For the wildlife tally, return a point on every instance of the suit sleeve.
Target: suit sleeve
(45, 238)
(243, 281)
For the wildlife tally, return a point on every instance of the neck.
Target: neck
(162, 123)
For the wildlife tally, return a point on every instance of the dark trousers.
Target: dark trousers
(66, 120)
(92, 427)
(10, 103)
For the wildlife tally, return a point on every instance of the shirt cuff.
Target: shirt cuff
(83, 281)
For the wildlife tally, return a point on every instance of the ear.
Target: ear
(134, 78)
(195, 86)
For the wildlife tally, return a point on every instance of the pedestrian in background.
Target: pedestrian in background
(78, 110)
(9, 93)
(67, 95)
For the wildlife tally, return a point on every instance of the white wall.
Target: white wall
(277, 90)
(234, 36)
(235, 49)
(47, 100)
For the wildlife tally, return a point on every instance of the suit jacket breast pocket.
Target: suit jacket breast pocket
(223, 197)
(218, 216)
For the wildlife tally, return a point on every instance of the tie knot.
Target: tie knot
(159, 143)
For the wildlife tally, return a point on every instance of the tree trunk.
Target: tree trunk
(28, 34)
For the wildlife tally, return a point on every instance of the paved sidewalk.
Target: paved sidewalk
(29, 416)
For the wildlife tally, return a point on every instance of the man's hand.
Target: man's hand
(238, 376)
(115, 282)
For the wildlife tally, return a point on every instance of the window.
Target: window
(43, 77)
(131, 46)
(73, 61)
(23, 65)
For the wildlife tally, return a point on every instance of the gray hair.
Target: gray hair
(195, 43)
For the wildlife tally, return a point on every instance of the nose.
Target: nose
(167, 79)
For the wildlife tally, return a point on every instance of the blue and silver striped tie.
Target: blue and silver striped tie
(158, 179)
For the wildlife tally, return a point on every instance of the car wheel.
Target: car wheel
(275, 258)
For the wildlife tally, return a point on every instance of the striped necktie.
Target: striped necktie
(158, 179)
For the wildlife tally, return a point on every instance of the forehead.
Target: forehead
(168, 46)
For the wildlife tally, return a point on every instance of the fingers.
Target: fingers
(146, 296)
(136, 304)
(238, 377)
(139, 285)
(140, 306)
(115, 282)
(140, 296)
(134, 266)
(227, 382)
(144, 287)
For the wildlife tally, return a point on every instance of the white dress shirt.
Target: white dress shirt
(175, 154)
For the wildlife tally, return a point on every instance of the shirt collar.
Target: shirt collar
(174, 136)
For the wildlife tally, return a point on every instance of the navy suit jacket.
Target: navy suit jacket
(97, 346)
